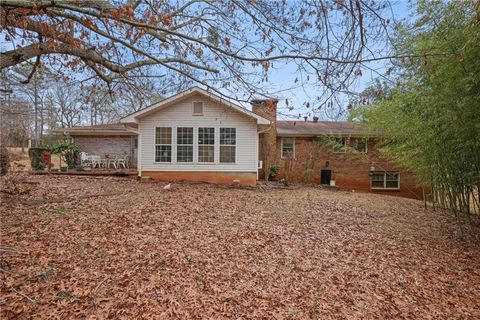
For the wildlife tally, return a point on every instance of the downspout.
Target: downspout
(139, 154)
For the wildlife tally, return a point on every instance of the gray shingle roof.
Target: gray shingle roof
(310, 128)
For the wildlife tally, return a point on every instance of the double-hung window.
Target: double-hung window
(228, 142)
(340, 145)
(206, 144)
(360, 145)
(163, 144)
(288, 147)
(184, 144)
(386, 180)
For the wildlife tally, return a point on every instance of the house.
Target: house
(196, 135)
(330, 152)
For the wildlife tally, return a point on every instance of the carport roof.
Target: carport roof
(111, 129)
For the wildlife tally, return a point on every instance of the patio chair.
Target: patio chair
(85, 159)
(104, 162)
(96, 161)
(113, 161)
(123, 161)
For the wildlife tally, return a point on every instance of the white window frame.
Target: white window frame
(281, 147)
(366, 145)
(345, 143)
(220, 145)
(206, 145)
(193, 108)
(385, 180)
(177, 145)
(161, 144)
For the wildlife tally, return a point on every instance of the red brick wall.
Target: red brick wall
(350, 170)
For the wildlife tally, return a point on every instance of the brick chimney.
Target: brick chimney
(268, 154)
(266, 108)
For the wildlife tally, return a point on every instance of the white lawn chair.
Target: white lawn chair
(104, 162)
(113, 161)
(122, 161)
(85, 159)
(96, 161)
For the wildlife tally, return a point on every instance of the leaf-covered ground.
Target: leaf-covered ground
(204, 251)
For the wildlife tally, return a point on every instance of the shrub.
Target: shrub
(273, 171)
(307, 175)
(68, 152)
(4, 160)
(36, 159)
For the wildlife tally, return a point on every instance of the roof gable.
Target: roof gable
(136, 116)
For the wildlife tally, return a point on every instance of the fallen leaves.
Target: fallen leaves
(203, 251)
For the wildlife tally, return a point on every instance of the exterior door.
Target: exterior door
(325, 176)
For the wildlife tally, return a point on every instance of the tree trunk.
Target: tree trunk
(35, 99)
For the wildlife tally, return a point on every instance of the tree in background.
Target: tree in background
(15, 122)
(375, 92)
(431, 119)
(66, 104)
(32, 110)
(17, 96)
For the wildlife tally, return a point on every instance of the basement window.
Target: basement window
(198, 108)
(385, 180)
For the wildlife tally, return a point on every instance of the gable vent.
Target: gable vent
(198, 108)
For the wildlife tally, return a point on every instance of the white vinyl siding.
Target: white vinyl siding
(216, 116)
